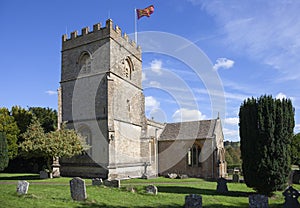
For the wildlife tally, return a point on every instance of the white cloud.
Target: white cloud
(156, 66)
(280, 96)
(51, 92)
(151, 103)
(223, 63)
(144, 78)
(262, 31)
(297, 128)
(231, 134)
(184, 114)
(231, 121)
(155, 84)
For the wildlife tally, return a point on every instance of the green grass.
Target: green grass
(171, 193)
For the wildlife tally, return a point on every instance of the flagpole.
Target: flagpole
(135, 27)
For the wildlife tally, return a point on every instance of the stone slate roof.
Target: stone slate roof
(202, 129)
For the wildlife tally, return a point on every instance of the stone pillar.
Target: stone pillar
(55, 167)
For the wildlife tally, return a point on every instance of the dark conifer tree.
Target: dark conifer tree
(266, 130)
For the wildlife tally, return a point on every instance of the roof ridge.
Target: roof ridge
(213, 119)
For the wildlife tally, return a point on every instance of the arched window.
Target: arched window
(85, 63)
(193, 156)
(127, 67)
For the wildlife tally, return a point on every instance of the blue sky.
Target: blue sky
(253, 46)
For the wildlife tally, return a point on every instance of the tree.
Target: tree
(295, 150)
(11, 130)
(61, 143)
(3, 152)
(46, 116)
(22, 117)
(266, 129)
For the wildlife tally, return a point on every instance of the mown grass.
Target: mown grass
(171, 193)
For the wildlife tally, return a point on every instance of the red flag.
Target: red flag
(145, 12)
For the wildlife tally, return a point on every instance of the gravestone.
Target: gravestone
(112, 183)
(184, 176)
(222, 186)
(22, 187)
(193, 201)
(151, 189)
(78, 190)
(235, 178)
(43, 174)
(258, 200)
(291, 198)
(97, 181)
(172, 175)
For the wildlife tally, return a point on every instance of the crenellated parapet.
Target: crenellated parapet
(96, 34)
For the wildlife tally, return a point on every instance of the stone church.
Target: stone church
(101, 96)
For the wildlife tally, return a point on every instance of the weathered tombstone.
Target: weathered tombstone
(184, 176)
(258, 200)
(222, 186)
(235, 178)
(151, 189)
(44, 174)
(78, 190)
(22, 187)
(172, 175)
(112, 183)
(193, 201)
(291, 198)
(97, 181)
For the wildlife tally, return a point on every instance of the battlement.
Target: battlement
(99, 32)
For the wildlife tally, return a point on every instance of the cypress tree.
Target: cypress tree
(266, 130)
(3, 152)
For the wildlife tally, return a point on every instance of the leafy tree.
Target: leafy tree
(22, 116)
(46, 116)
(232, 154)
(61, 143)
(295, 150)
(11, 130)
(3, 152)
(266, 129)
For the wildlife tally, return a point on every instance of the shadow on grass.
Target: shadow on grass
(98, 205)
(21, 177)
(200, 191)
(102, 205)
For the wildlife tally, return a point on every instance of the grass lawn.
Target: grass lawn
(171, 193)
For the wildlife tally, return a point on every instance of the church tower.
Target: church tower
(101, 97)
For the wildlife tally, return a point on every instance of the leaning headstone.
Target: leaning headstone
(291, 198)
(172, 175)
(78, 190)
(112, 183)
(222, 186)
(193, 201)
(22, 187)
(97, 181)
(151, 189)
(258, 200)
(235, 178)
